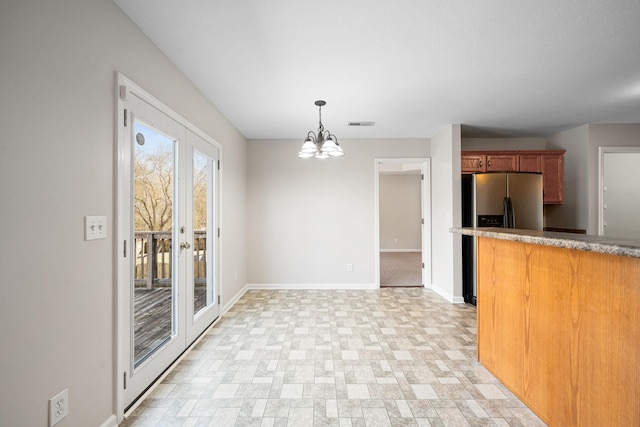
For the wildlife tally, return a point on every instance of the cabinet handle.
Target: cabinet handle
(489, 163)
(480, 163)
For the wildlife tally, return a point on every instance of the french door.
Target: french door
(168, 233)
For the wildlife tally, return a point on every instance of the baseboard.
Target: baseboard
(234, 300)
(400, 250)
(447, 296)
(312, 286)
(112, 421)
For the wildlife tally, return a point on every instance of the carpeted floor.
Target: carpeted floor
(400, 268)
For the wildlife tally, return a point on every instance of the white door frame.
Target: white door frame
(124, 88)
(426, 215)
(601, 152)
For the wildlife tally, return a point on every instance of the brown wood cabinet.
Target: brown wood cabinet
(502, 163)
(530, 162)
(552, 171)
(474, 163)
(547, 162)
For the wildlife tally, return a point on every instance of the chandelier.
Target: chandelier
(322, 145)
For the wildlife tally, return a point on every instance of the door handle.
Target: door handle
(185, 245)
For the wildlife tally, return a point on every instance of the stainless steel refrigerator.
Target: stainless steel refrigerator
(505, 200)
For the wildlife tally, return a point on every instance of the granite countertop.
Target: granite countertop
(581, 242)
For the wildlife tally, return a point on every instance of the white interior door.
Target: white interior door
(167, 238)
(620, 192)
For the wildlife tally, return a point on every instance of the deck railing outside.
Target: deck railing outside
(154, 250)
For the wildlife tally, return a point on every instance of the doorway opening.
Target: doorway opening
(403, 238)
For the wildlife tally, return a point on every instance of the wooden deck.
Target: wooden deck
(152, 318)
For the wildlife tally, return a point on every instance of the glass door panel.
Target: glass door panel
(202, 283)
(203, 227)
(152, 332)
(154, 288)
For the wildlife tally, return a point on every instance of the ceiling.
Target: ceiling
(498, 67)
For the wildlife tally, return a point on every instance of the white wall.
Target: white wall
(309, 218)
(445, 213)
(56, 166)
(400, 212)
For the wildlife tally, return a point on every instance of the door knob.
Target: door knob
(185, 245)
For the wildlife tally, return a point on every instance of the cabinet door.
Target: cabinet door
(502, 162)
(552, 165)
(530, 163)
(473, 163)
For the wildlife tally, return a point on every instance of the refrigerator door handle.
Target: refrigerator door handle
(512, 214)
(505, 212)
(508, 216)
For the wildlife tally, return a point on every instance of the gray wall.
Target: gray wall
(574, 212)
(309, 218)
(580, 207)
(400, 212)
(605, 135)
(56, 166)
(446, 213)
(503, 144)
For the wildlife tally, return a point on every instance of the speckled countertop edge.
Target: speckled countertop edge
(581, 242)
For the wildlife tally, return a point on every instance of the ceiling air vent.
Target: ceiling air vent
(361, 123)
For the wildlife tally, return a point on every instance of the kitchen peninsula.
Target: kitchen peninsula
(559, 322)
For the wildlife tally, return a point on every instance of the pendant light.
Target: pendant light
(321, 145)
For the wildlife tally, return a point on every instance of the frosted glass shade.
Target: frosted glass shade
(308, 147)
(329, 146)
(304, 155)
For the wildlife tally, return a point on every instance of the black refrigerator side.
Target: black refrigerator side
(468, 242)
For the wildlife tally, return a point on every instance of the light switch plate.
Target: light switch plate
(95, 227)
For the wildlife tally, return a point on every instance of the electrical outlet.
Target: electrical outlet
(58, 407)
(350, 268)
(95, 227)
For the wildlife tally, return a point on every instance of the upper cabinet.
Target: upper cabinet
(530, 163)
(552, 167)
(502, 162)
(490, 162)
(474, 163)
(547, 162)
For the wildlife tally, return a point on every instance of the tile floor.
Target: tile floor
(389, 357)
